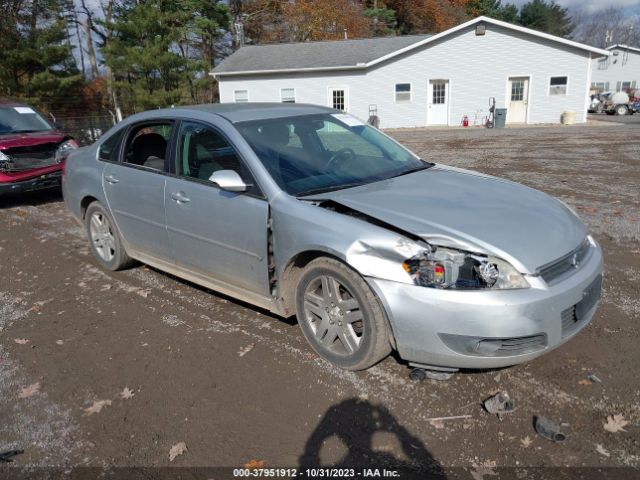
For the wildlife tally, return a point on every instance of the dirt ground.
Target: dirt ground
(105, 369)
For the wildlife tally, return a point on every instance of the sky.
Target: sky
(632, 6)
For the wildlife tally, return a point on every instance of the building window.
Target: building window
(558, 85)
(241, 96)
(602, 86)
(625, 86)
(338, 99)
(439, 93)
(288, 95)
(403, 92)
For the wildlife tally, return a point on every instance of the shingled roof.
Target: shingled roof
(355, 54)
(330, 54)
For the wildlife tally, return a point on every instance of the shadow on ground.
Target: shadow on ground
(367, 436)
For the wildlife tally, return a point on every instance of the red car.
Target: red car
(32, 150)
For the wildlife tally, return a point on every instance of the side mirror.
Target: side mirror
(228, 180)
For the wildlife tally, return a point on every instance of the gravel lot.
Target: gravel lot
(113, 369)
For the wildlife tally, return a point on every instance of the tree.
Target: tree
(494, 9)
(546, 17)
(324, 20)
(161, 51)
(428, 16)
(383, 19)
(37, 63)
(606, 27)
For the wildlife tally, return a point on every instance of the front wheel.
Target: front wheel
(340, 316)
(104, 238)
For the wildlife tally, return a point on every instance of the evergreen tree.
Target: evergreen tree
(157, 48)
(37, 62)
(494, 9)
(547, 17)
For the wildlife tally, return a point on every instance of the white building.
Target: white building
(620, 71)
(413, 81)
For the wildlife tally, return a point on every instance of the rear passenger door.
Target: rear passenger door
(134, 188)
(217, 234)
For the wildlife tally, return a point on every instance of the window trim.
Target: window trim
(566, 86)
(123, 134)
(295, 94)
(258, 193)
(395, 92)
(235, 100)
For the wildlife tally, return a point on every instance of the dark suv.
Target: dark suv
(32, 150)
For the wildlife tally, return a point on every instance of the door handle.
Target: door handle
(180, 197)
(111, 179)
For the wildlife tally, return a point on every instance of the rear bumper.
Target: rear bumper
(490, 329)
(41, 182)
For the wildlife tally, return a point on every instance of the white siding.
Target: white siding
(477, 67)
(623, 67)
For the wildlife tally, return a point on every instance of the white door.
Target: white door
(518, 100)
(438, 102)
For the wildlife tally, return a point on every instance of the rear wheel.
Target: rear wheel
(340, 316)
(622, 110)
(104, 238)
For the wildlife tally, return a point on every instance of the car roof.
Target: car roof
(242, 112)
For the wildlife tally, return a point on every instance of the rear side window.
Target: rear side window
(109, 149)
(147, 145)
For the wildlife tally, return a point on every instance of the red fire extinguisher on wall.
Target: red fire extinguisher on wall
(465, 121)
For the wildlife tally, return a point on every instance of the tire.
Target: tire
(340, 316)
(104, 238)
(622, 110)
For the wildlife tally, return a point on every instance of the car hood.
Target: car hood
(453, 207)
(13, 140)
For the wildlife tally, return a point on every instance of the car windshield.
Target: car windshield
(22, 119)
(312, 154)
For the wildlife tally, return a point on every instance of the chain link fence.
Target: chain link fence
(85, 129)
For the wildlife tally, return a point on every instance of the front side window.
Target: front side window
(403, 92)
(558, 85)
(318, 153)
(110, 148)
(22, 119)
(147, 145)
(288, 95)
(202, 151)
(241, 96)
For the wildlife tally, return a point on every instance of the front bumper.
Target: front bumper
(490, 329)
(41, 182)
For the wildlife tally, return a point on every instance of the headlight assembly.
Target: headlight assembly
(446, 268)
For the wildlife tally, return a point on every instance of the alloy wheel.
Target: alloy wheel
(102, 236)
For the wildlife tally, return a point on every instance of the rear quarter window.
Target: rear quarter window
(109, 149)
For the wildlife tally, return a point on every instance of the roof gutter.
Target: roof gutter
(360, 66)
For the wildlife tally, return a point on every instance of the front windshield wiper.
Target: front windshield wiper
(416, 169)
(328, 189)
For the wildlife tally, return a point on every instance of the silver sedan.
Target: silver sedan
(306, 211)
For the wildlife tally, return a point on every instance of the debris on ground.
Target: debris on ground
(526, 442)
(500, 404)
(243, 351)
(419, 374)
(255, 464)
(615, 424)
(594, 379)
(438, 422)
(602, 451)
(21, 341)
(549, 429)
(29, 390)
(7, 456)
(177, 450)
(97, 407)
(126, 394)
